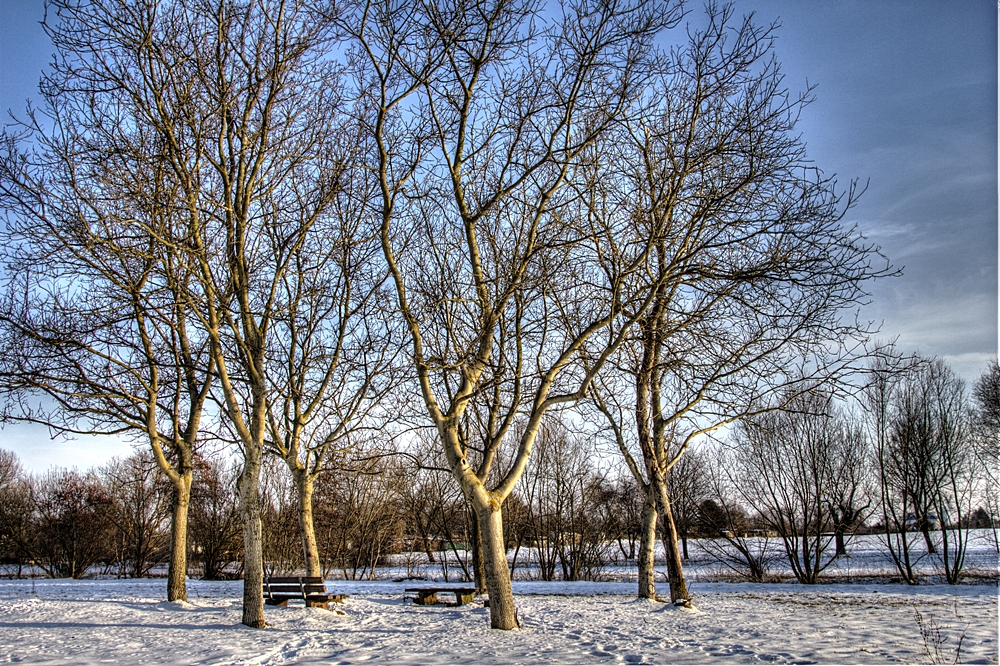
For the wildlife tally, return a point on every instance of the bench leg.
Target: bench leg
(272, 602)
(317, 604)
(426, 598)
(465, 598)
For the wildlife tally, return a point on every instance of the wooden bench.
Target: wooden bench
(279, 590)
(426, 596)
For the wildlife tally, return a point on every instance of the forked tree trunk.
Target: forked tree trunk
(503, 615)
(253, 551)
(307, 529)
(177, 569)
(647, 548)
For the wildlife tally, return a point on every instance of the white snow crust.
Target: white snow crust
(127, 622)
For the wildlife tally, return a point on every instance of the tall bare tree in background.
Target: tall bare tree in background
(753, 266)
(216, 533)
(15, 511)
(886, 374)
(139, 510)
(925, 461)
(929, 461)
(735, 538)
(798, 466)
(479, 116)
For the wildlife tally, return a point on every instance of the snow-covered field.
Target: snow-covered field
(126, 621)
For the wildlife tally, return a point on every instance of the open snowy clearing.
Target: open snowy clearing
(113, 621)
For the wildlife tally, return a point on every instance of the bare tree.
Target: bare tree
(752, 263)
(621, 509)
(241, 100)
(16, 511)
(886, 374)
(74, 531)
(479, 116)
(688, 486)
(203, 157)
(799, 466)
(215, 518)
(437, 515)
(732, 537)
(930, 461)
(359, 510)
(95, 315)
(561, 487)
(140, 512)
(281, 533)
(330, 362)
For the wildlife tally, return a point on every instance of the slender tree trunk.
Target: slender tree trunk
(647, 548)
(253, 551)
(841, 545)
(478, 563)
(675, 567)
(503, 615)
(177, 569)
(925, 530)
(307, 529)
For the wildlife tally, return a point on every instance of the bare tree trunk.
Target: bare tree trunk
(253, 551)
(177, 569)
(926, 531)
(839, 541)
(675, 567)
(503, 615)
(647, 548)
(307, 529)
(478, 562)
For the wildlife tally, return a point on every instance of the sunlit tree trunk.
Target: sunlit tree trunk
(253, 541)
(671, 544)
(177, 569)
(647, 548)
(307, 528)
(503, 614)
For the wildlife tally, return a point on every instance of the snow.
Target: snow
(126, 621)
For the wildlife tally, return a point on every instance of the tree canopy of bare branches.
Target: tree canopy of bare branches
(754, 266)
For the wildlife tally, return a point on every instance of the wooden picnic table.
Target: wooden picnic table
(426, 596)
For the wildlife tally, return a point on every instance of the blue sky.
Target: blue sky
(906, 98)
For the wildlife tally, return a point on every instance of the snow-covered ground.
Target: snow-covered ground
(126, 621)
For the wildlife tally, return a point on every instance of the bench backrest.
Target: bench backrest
(283, 586)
